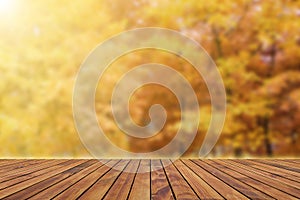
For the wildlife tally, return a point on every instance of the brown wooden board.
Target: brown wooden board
(150, 179)
(58, 188)
(202, 188)
(99, 188)
(181, 188)
(233, 182)
(224, 189)
(141, 185)
(160, 187)
(260, 182)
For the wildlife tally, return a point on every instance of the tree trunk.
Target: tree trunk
(264, 123)
(268, 144)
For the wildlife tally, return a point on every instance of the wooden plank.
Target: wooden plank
(272, 181)
(160, 188)
(290, 163)
(235, 183)
(182, 179)
(27, 183)
(81, 186)
(122, 186)
(46, 183)
(223, 189)
(248, 180)
(58, 188)
(280, 165)
(9, 162)
(181, 188)
(141, 186)
(245, 164)
(16, 167)
(20, 173)
(274, 170)
(263, 181)
(294, 160)
(203, 189)
(19, 179)
(102, 184)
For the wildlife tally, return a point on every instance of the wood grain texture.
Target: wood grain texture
(69, 182)
(181, 187)
(224, 189)
(245, 165)
(99, 189)
(160, 187)
(81, 186)
(150, 179)
(236, 183)
(261, 181)
(274, 170)
(141, 185)
(202, 188)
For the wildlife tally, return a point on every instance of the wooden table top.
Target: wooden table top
(182, 179)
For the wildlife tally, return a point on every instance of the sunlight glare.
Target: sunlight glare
(6, 6)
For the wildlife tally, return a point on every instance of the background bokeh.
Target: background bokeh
(255, 44)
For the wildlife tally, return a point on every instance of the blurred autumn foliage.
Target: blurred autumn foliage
(255, 44)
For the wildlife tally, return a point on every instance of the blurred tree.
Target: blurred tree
(255, 43)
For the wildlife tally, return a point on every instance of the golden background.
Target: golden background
(255, 44)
